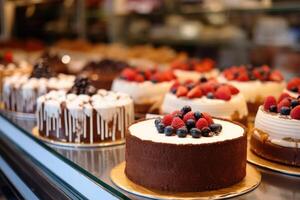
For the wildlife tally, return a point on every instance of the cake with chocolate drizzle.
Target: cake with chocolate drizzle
(21, 91)
(276, 135)
(186, 151)
(84, 114)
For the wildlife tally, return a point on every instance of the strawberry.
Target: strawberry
(243, 77)
(295, 82)
(189, 115)
(167, 119)
(257, 74)
(269, 101)
(181, 91)
(188, 81)
(223, 92)
(295, 113)
(206, 88)
(283, 96)
(208, 118)
(177, 123)
(147, 74)
(284, 102)
(8, 56)
(196, 92)
(139, 78)
(276, 76)
(233, 90)
(129, 74)
(266, 68)
(201, 123)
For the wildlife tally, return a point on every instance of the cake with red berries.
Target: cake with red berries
(186, 151)
(220, 100)
(276, 134)
(20, 92)
(293, 87)
(255, 83)
(146, 87)
(194, 69)
(84, 114)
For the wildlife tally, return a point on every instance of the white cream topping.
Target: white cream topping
(253, 90)
(145, 92)
(292, 94)
(216, 107)
(277, 126)
(146, 130)
(184, 75)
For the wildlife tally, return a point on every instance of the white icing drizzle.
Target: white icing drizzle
(111, 111)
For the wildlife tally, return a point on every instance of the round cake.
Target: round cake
(194, 69)
(84, 114)
(186, 151)
(255, 83)
(147, 88)
(21, 91)
(293, 87)
(220, 100)
(276, 135)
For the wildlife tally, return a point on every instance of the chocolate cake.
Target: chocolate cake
(186, 152)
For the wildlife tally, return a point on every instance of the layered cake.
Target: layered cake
(84, 114)
(220, 100)
(103, 72)
(255, 83)
(276, 134)
(21, 91)
(186, 151)
(293, 87)
(194, 69)
(147, 88)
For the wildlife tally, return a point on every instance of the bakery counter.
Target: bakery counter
(54, 172)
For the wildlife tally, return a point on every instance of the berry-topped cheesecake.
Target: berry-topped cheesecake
(194, 69)
(21, 91)
(255, 83)
(220, 100)
(146, 87)
(186, 151)
(84, 114)
(276, 135)
(293, 87)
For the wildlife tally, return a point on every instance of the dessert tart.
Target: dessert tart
(276, 135)
(220, 100)
(194, 69)
(293, 87)
(103, 72)
(255, 83)
(186, 151)
(84, 114)
(21, 91)
(146, 87)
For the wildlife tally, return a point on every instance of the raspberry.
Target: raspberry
(181, 91)
(295, 113)
(285, 102)
(295, 82)
(276, 76)
(176, 113)
(189, 115)
(224, 93)
(177, 123)
(233, 89)
(195, 92)
(139, 78)
(167, 119)
(201, 123)
(129, 74)
(208, 118)
(283, 96)
(269, 101)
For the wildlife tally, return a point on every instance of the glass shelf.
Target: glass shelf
(96, 164)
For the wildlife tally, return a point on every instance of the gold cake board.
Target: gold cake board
(261, 162)
(250, 182)
(35, 133)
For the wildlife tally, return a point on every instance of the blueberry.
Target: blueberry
(195, 132)
(273, 108)
(217, 128)
(210, 95)
(298, 97)
(154, 81)
(173, 90)
(285, 110)
(160, 127)
(190, 86)
(294, 89)
(182, 132)
(294, 103)
(197, 115)
(190, 123)
(169, 130)
(186, 109)
(206, 132)
(203, 79)
(157, 121)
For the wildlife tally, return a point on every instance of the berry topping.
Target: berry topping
(285, 110)
(283, 96)
(195, 132)
(294, 85)
(189, 115)
(190, 124)
(83, 85)
(169, 130)
(273, 108)
(195, 92)
(182, 132)
(224, 93)
(294, 103)
(157, 121)
(206, 132)
(177, 123)
(160, 127)
(201, 123)
(217, 128)
(295, 113)
(203, 65)
(197, 115)
(42, 69)
(181, 91)
(167, 119)
(186, 109)
(269, 101)
(233, 89)
(285, 102)
(208, 118)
